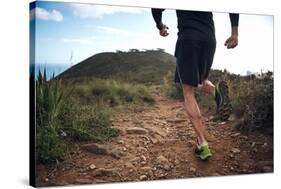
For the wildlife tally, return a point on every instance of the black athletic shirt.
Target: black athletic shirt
(194, 25)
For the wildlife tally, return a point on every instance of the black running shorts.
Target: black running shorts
(194, 61)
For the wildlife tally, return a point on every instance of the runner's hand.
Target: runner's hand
(231, 42)
(164, 31)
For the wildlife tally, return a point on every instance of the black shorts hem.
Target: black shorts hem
(194, 61)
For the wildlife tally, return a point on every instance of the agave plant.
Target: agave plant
(49, 97)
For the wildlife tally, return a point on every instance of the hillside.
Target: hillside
(113, 128)
(144, 67)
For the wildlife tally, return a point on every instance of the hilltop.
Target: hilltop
(135, 66)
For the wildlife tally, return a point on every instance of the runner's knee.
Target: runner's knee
(187, 91)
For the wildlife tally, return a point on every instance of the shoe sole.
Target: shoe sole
(226, 108)
(219, 98)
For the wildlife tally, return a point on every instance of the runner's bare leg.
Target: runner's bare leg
(193, 112)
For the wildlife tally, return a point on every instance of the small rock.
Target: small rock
(253, 144)
(129, 165)
(211, 117)
(101, 149)
(143, 158)
(92, 166)
(63, 134)
(255, 150)
(95, 148)
(163, 163)
(136, 130)
(142, 149)
(161, 160)
(120, 142)
(146, 138)
(166, 167)
(46, 179)
(161, 176)
(176, 120)
(135, 159)
(137, 122)
(192, 169)
(235, 150)
(154, 140)
(177, 162)
(105, 172)
(116, 153)
(131, 170)
(264, 145)
(231, 155)
(83, 181)
(100, 181)
(245, 165)
(143, 163)
(146, 169)
(267, 169)
(231, 117)
(215, 174)
(235, 134)
(222, 123)
(243, 137)
(155, 132)
(143, 177)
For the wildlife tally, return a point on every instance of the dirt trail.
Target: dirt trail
(157, 142)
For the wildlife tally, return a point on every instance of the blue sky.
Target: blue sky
(67, 33)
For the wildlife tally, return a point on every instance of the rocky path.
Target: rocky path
(157, 142)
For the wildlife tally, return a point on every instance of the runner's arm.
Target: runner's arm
(232, 41)
(234, 20)
(157, 16)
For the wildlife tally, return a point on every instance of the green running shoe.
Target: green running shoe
(204, 152)
(218, 97)
(198, 151)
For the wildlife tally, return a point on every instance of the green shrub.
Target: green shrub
(175, 91)
(49, 145)
(258, 114)
(112, 92)
(62, 120)
(170, 88)
(49, 98)
(86, 123)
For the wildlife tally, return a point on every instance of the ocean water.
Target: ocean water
(51, 69)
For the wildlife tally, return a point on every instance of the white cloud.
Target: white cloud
(43, 14)
(98, 11)
(83, 41)
(111, 30)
